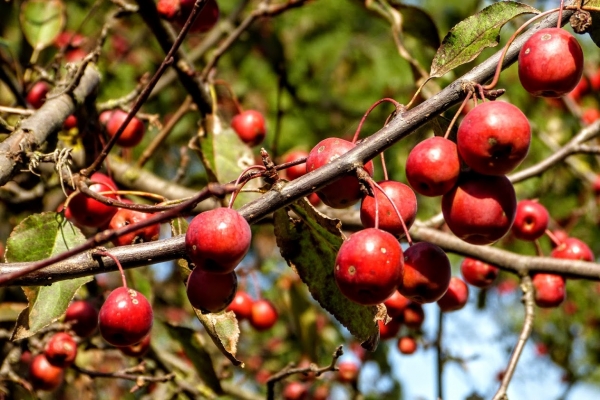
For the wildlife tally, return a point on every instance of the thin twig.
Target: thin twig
(440, 355)
(263, 10)
(528, 301)
(312, 369)
(162, 135)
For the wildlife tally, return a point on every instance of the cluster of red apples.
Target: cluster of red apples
(478, 200)
(216, 242)
(47, 368)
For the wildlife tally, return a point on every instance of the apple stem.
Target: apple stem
(378, 102)
(116, 260)
(553, 238)
(373, 187)
(494, 81)
(237, 182)
(464, 103)
(226, 84)
(560, 11)
(408, 238)
(385, 173)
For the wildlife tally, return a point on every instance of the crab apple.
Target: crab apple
(70, 122)
(478, 273)
(320, 393)
(347, 371)
(43, 375)
(580, 90)
(250, 127)
(413, 316)
(549, 290)
(432, 166)
(480, 209)
(210, 292)
(241, 305)
(37, 94)
(590, 115)
(125, 318)
(205, 21)
(168, 9)
(426, 273)
(368, 266)
(396, 304)
(345, 191)
(263, 316)
(403, 198)
(132, 134)
(217, 240)
(298, 170)
(124, 217)
(61, 350)
(494, 138)
(550, 63)
(389, 330)
(407, 345)
(531, 220)
(456, 297)
(137, 350)
(87, 211)
(573, 249)
(83, 317)
(295, 391)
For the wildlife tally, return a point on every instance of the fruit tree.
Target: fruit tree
(264, 199)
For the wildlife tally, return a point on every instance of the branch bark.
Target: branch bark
(36, 129)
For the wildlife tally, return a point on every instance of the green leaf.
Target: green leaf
(471, 36)
(193, 347)
(38, 237)
(224, 330)
(309, 243)
(225, 156)
(42, 21)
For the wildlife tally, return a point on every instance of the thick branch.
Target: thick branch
(35, 130)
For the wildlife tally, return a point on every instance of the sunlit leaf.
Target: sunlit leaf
(194, 349)
(38, 237)
(309, 244)
(224, 330)
(42, 21)
(225, 156)
(471, 36)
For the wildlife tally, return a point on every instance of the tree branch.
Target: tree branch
(36, 129)
(528, 302)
